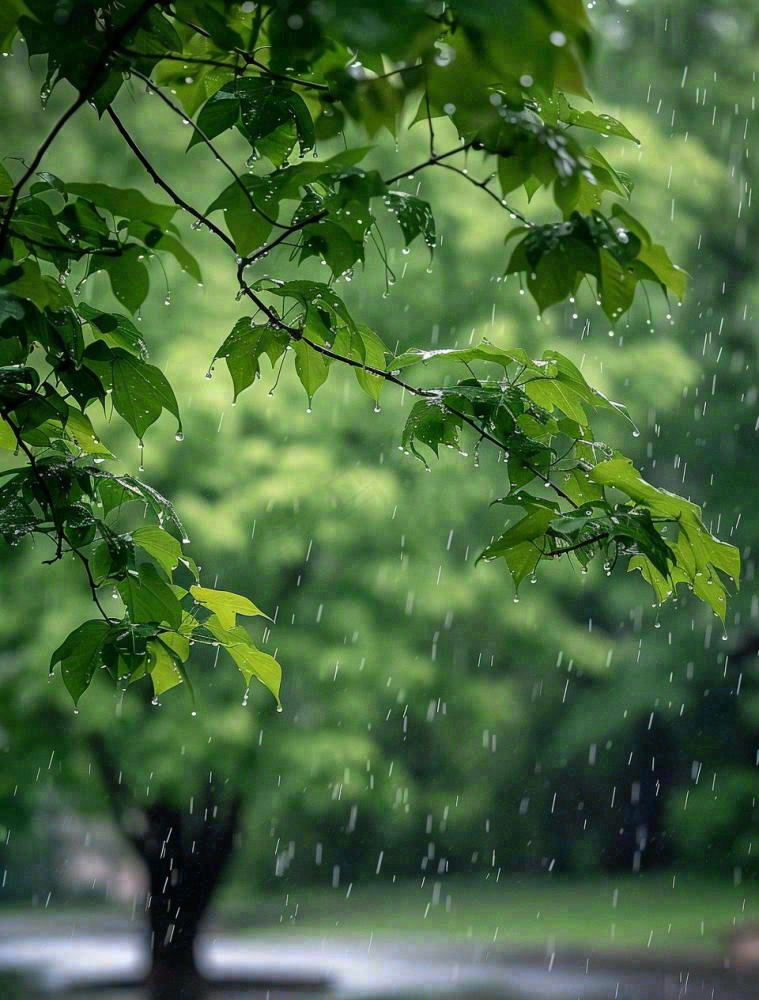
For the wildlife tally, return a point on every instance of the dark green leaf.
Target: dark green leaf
(125, 203)
(414, 217)
(128, 275)
(243, 348)
(148, 599)
(80, 655)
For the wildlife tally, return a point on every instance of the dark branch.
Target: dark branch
(227, 166)
(483, 186)
(295, 333)
(562, 550)
(252, 61)
(157, 179)
(429, 162)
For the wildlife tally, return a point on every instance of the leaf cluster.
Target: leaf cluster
(287, 78)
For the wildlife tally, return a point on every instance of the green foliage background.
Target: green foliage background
(416, 692)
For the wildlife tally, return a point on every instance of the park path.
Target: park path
(62, 952)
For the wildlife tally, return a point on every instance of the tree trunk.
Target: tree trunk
(185, 855)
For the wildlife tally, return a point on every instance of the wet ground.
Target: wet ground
(75, 957)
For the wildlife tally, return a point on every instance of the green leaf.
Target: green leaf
(550, 393)
(311, 366)
(163, 667)
(433, 424)
(25, 281)
(6, 182)
(164, 242)
(414, 217)
(140, 392)
(220, 113)
(522, 560)
(130, 282)
(333, 244)
(115, 330)
(604, 124)
(243, 348)
(225, 605)
(34, 220)
(251, 661)
(656, 259)
(617, 286)
(11, 307)
(528, 529)
(363, 344)
(125, 203)
(115, 491)
(82, 433)
(179, 640)
(485, 351)
(80, 655)
(308, 293)
(148, 599)
(257, 107)
(698, 555)
(7, 437)
(159, 544)
(247, 208)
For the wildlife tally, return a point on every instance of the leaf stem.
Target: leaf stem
(563, 549)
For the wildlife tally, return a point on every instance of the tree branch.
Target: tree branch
(252, 61)
(157, 179)
(295, 333)
(228, 167)
(562, 550)
(483, 186)
(429, 162)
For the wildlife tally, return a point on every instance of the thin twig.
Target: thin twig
(294, 228)
(252, 61)
(228, 166)
(295, 333)
(483, 186)
(93, 586)
(186, 60)
(562, 550)
(69, 249)
(429, 121)
(157, 179)
(429, 162)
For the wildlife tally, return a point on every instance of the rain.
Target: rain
(412, 651)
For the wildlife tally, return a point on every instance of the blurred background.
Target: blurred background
(575, 769)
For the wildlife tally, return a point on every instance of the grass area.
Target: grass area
(658, 913)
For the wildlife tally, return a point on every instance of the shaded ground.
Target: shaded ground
(65, 954)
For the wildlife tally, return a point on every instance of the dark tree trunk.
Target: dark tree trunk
(185, 855)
